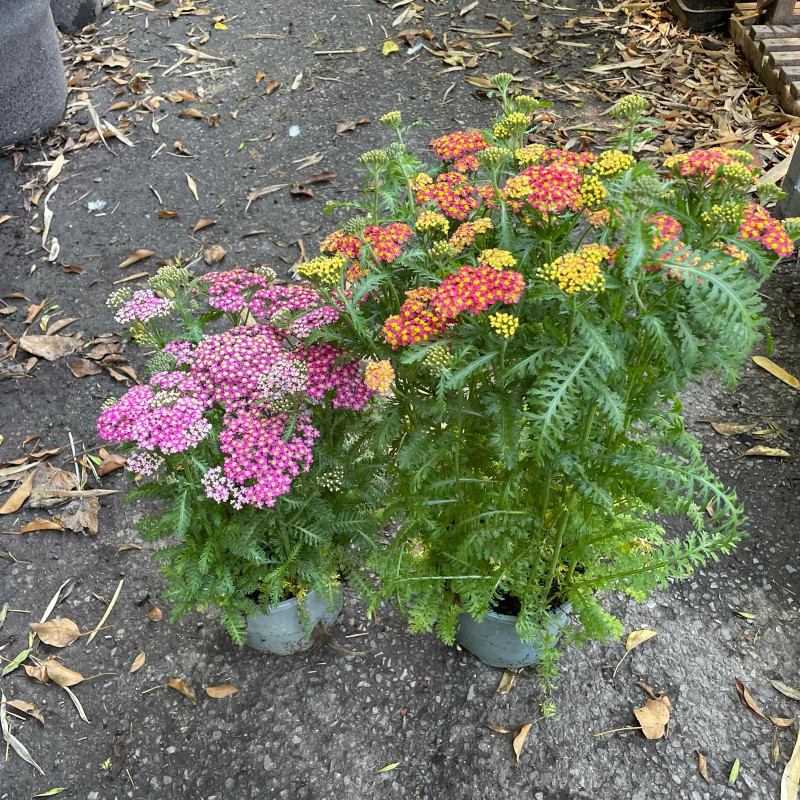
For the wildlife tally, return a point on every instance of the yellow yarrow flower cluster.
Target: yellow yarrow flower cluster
(504, 324)
(530, 154)
(630, 107)
(612, 162)
(737, 173)
(493, 156)
(729, 213)
(742, 156)
(391, 119)
(525, 103)
(579, 271)
(497, 259)
(437, 359)
(324, 270)
(441, 251)
(379, 376)
(592, 191)
(432, 222)
(515, 122)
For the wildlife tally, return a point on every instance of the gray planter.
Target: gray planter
(33, 87)
(280, 630)
(74, 15)
(495, 641)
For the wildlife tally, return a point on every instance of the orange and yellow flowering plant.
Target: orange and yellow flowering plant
(530, 315)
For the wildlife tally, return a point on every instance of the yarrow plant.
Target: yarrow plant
(533, 327)
(239, 429)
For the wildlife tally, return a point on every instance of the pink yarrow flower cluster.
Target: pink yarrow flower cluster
(182, 351)
(144, 306)
(232, 291)
(166, 415)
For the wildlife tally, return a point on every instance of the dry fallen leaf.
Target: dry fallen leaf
(653, 716)
(27, 708)
(255, 194)
(50, 485)
(82, 367)
(496, 728)
(58, 632)
(747, 699)
(60, 674)
(137, 255)
(787, 690)
(791, 774)
(50, 347)
(81, 514)
(41, 525)
(507, 681)
(181, 686)
(19, 496)
(222, 690)
(110, 462)
(774, 747)
(763, 450)
(702, 766)
(214, 254)
(155, 614)
(138, 662)
(192, 185)
(779, 372)
(521, 734)
(635, 638)
(203, 223)
(389, 47)
(732, 428)
(128, 546)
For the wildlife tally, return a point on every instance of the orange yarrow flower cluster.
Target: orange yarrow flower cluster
(458, 143)
(379, 376)
(427, 310)
(455, 198)
(569, 157)
(549, 189)
(759, 225)
(466, 233)
(704, 164)
(385, 242)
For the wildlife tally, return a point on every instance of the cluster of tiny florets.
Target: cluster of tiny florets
(705, 164)
(551, 188)
(324, 270)
(497, 259)
(169, 278)
(118, 298)
(467, 233)
(579, 271)
(384, 241)
(143, 306)
(612, 162)
(379, 376)
(458, 143)
(592, 191)
(504, 324)
(514, 123)
(455, 198)
(630, 107)
(437, 360)
(729, 214)
(759, 225)
(432, 222)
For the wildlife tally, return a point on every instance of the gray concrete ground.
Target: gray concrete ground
(320, 726)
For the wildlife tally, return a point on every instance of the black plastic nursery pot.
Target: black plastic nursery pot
(281, 631)
(702, 15)
(495, 641)
(73, 15)
(33, 86)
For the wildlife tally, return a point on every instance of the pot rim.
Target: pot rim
(293, 599)
(565, 607)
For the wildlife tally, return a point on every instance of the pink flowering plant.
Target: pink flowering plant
(250, 436)
(530, 315)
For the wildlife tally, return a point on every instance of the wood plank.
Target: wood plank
(778, 60)
(794, 88)
(779, 44)
(780, 12)
(789, 74)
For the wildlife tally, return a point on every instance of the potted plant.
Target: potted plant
(537, 313)
(252, 442)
